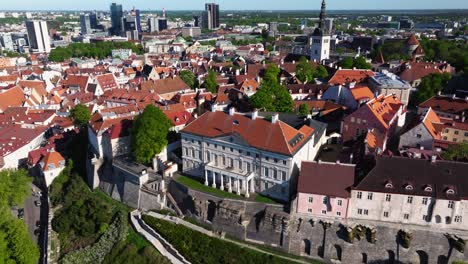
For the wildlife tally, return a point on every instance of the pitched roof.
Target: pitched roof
(259, 133)
(362, 92)
(76, 80)
(408, 176)
(54, 159)
(446, 104)
(325, 178)
(107, 81)
(412, 40)
(416, 70)
(347, 76)
(375, 140)
(11, 97)
(384, 108)
(165, 86)
(429, 121)
(13, 137)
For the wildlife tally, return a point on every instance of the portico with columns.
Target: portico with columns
(230, 181)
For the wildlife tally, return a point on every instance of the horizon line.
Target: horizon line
(237, 10)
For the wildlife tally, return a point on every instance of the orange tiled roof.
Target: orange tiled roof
(12, 97)
(52, 158)
(261, 134)
(347, 76)
(362, 92)
(384, 108)
(429, 121)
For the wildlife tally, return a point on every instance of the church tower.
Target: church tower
(320, 39)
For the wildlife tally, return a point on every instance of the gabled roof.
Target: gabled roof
(165, 86)
(323, 178)
(107, 81)
(412, 41)
(446, 104)
(408, 176)
(362, 92)
(384, 108)
(76, 81)
(11, 97)
(259, 133)
(430, 120)
(53, 158)
(348, 76)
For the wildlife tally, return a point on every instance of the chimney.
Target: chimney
(237, 72)
(454, 96)
(439, 93)
(433, 159)
(232, 111)
(274, 118)
(254, 114)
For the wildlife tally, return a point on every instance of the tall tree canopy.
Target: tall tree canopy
(304, 109)
(80, 115)
(210, 83)
(457, 152)
(16, 246)
(149, 134)
(358, 63)
(272, 96)
(189, 78)
(430, 85)
(306, 72)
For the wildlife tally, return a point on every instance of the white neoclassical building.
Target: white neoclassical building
(247, 154)
(413, 191)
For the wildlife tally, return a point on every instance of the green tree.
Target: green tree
(80, 115)
(457, 152)
(272, 96)
(321, 72)
(149, 134)
(210, 83)
(189, 78)
(304, 109)
(361, 63)
(14, 187)
(346, 63)
(304, 71)
(430, 85)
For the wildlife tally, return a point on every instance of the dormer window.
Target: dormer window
(409, 187)
(428, 189)
(389, 185)
(450, 191)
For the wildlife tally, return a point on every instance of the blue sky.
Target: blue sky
(233, 4)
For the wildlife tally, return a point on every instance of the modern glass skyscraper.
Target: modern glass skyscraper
(38, 34)
(211, 16)
(85, 24)
(116, 12)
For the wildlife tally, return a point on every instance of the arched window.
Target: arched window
(450, 191)
(409, 187)
(389, 185)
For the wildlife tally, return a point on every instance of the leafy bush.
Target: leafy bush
(96, 253)
(200, 248)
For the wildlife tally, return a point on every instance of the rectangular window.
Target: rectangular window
(425, 200)
(388, 198)
(311, 199)
(248, 154)
(466, 134)
(385, 214)
(366, 212)
(450, 204)
(276, 160)
(406, 216)
(359, 211)
(284, 162)
(324, 212)
(369, 196)
(456, 132)
(353, 119)
(419, 136)
(338, 213)
(325, 200)
(309, 210)
(458, 219)
(410, 199)
(340, 202)
(359, 195)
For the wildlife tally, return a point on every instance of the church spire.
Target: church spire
(322, 16)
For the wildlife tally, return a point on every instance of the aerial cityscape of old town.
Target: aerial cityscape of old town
(234, 132)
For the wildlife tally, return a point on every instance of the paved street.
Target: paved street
(32, 213)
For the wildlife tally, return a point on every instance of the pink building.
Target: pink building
(324, 189)
(385, 113)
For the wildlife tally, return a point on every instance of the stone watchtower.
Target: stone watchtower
(320, 39)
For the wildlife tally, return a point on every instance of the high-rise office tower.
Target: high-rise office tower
(85, 23)
(196, 20)
(132, 24)
(116, 19)
(211, 16)
(38, 36)
(93, 21)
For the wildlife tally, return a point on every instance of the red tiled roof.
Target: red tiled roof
(347, 76)
(80, 81)
(412, 40)
(53, 158)
(362, 92)
(446, 104)
(11, 97)
(13, 137)
(329, 179)
(429, 121)
(259, 133)
(107, 81)
(384, 108)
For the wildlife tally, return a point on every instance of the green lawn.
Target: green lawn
(264, 199)
(199, 248)
(198, 186)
